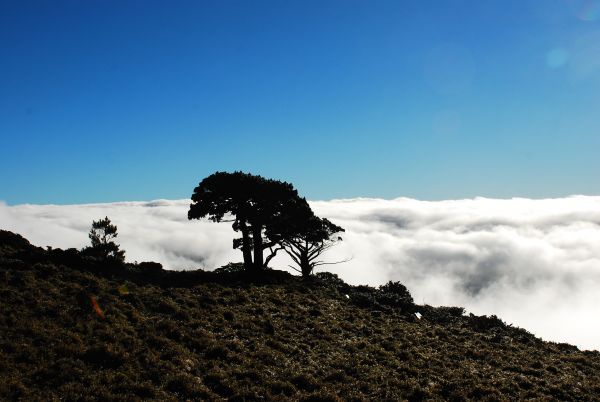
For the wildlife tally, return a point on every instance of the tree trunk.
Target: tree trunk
(246, 249)
(305, 267)
(258, 246)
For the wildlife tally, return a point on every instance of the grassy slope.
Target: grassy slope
(204, 336)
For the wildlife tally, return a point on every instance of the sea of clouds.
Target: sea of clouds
(534, 263)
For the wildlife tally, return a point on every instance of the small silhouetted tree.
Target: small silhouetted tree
(253, 204)
(305, 237)
(102, 236)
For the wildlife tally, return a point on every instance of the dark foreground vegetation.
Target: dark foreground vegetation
(75, 327)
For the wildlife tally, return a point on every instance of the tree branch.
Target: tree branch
(318, 263)
(269, 245)
(270, 256)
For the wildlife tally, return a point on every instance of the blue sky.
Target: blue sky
(136, 100)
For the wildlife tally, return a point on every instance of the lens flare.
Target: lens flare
(96, 307)
(589, 11)
(556, 58)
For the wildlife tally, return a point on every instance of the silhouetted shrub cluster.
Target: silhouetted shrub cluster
(395, 294)
(392, 295)
(231, 268)
(442, 315)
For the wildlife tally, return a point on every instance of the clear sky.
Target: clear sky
(137, 100)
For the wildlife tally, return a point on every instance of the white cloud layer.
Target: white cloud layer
(534, 263)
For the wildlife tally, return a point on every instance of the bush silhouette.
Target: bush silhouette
(395, 294)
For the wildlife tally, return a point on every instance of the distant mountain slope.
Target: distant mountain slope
(73, 328)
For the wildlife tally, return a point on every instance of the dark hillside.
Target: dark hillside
(74, 328)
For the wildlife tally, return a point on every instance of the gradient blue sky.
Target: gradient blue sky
(136, 100)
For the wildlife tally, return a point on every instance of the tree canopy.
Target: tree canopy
(253, 204)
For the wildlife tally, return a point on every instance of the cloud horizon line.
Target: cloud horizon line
(344, 199)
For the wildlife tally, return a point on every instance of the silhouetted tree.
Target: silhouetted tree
(307, 246)
(102, 237)
(305, 237)
(252, 203)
